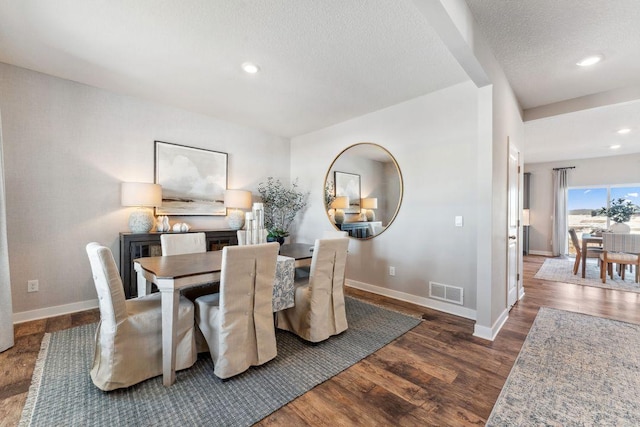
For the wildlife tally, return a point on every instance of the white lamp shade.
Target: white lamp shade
(370, 203)
(341, 202)
(525, 217)
(141, 194)
(238, 199)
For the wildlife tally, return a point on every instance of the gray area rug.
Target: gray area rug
(561, 270)
(62, 392)
(573, 370)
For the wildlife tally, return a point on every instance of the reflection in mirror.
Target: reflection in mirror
(363, 190)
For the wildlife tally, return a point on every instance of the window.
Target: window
(583, 200)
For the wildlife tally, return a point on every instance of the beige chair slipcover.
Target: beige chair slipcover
(185, 243)
(128, 346)
(622, 249)
(319, 310)
(237, 322)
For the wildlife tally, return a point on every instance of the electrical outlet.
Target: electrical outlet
(32, 286)
(392, 271)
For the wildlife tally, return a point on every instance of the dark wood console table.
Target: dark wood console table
(138, 245)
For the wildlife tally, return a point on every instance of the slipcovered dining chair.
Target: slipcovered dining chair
(128, 347)
(319, 310)
(622, 249)
(184, 243)
(237, 322)
(592, 252)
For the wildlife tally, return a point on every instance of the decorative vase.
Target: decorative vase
(278, 239)
(620, 227)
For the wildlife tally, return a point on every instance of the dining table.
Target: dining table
(588, 239)
(173, 273)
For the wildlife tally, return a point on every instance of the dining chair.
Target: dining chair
(319, 310)
(622, 249)
(237, 322)
(183, 243)
(128, 341)
(592, 252)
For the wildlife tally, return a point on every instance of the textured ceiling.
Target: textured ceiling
(538, 43)
(322, 62)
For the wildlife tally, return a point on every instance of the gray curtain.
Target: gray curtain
(6, 309)
(560, 228)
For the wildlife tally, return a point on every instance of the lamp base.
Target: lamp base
(339, 216)
(141, 221)
(370, 215)
(235, 219)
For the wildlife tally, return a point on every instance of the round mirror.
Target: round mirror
(363, 190)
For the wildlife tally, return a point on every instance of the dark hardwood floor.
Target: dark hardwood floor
(436, 374)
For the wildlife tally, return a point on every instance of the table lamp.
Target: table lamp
(236, 200)
(369, 204)
(340, 203)
(142, 195)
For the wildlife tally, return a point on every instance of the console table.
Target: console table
(361, 229)
(138, 245)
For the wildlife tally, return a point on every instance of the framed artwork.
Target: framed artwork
(348, 184)
(193, 180)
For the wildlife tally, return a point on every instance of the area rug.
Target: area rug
(573, 370)
(561, 270)
(62, 392)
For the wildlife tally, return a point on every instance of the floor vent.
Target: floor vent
(446, 293)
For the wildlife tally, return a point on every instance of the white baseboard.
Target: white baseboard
(421, 301)
(543, 253)
(487, 333)
(58, 310)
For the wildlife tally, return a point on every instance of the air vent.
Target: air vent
(447, 293)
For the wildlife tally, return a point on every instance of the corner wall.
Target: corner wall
(434, 140)
(67, 147)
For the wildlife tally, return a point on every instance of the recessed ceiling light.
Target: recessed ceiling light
(250, 67)
(589, 60)
(623, 131)
(615, 146)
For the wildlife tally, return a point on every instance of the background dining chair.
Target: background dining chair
(128, 347)
(592, 252)
(622, 249)
(319, 310)
(237, 322)
(184, 243)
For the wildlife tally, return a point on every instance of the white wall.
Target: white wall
(68, 146)
(598, 171)
(434, 139)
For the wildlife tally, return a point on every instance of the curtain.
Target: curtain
(6, 309)
(560, 228)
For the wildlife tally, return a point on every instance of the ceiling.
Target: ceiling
(324, 62)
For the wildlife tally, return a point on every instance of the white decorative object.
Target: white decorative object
(258, 232)
(142, 195)
(236, 200)
(184, 227)
(340, 203)
(162, 223)
(369, 204)
(620, 228)
(248, 222)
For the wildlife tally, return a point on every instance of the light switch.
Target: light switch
(458, 221)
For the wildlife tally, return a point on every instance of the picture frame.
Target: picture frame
(348, 184)
(193, 179)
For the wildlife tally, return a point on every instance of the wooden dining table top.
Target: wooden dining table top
(177, 266)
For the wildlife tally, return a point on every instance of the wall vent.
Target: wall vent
(447, 293)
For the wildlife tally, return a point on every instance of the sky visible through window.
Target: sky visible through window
(596, 198)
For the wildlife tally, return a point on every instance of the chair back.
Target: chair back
(184, 243)
(106, 277)
(334, 234)
(574, 240)
(326, 281)
(246, 294)
(620, 242)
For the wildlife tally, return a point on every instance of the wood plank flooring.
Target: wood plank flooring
(436, 374)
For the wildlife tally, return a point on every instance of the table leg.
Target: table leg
(144, 286)
(584, 258)
(170, 303)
